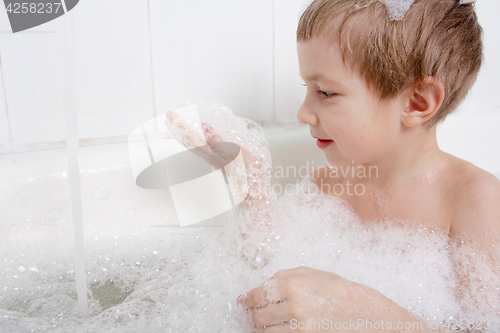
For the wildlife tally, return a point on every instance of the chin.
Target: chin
(343, 162)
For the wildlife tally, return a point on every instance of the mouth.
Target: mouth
(323, 143)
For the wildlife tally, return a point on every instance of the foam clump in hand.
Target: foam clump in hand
(223, 122)
(210, 122)
(397, 8)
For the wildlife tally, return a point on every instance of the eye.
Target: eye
(325, 94)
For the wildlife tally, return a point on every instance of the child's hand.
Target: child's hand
(251, 180)
(293, 298)
(191, 138)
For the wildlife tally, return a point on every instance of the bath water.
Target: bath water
(72, 144)
(142, 281)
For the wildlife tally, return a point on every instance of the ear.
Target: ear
(424, 101)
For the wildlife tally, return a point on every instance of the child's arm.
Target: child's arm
(296, 298)
(475, 231)
(477, 199)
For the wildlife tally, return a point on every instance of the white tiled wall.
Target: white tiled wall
(218, 49)
(288, 88)
(485, 91)
(4, 129)
(472, 132)
(113, 73)
(139, 58)
(32, 72)
(114, 83)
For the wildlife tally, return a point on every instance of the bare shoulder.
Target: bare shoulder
(475, 198)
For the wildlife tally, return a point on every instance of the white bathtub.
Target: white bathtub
(33, 184)
(36, 230)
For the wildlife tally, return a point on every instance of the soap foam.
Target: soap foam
(397, 8)
(190, 282)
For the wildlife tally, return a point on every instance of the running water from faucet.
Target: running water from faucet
(72, 143)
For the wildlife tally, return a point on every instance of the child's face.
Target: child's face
(340, 107)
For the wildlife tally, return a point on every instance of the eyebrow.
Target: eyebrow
(320, 77)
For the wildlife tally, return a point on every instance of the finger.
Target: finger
(271, 291)
(275, 314)
(207, 128)
(210, 133)
(262, 296)
(190, 135)
(222, 154)
(251, 299)
(282, 328)
(181, 124)
(171, 116)
(220, 151)
(302, 270)
(215, 138)
(285, 286)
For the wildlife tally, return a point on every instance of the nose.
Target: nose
(306, 115)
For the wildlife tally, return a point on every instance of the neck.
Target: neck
(417, 155)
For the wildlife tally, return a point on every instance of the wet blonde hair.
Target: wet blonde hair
(439, 38)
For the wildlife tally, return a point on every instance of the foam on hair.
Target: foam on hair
(397, 8)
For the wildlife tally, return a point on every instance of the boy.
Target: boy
(376, 88)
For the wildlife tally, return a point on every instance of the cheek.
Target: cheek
(358, 130)
(364, 139)
(355, 140)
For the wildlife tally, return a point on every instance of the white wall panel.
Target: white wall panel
(32, 67)
(218, 49)
(485, 92)
(113, 77)
(4, 136)
(472, 132)
(114, 90)
(4, 22)
(289, 90)
(473, 138)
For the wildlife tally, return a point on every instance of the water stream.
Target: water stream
(72, 142)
